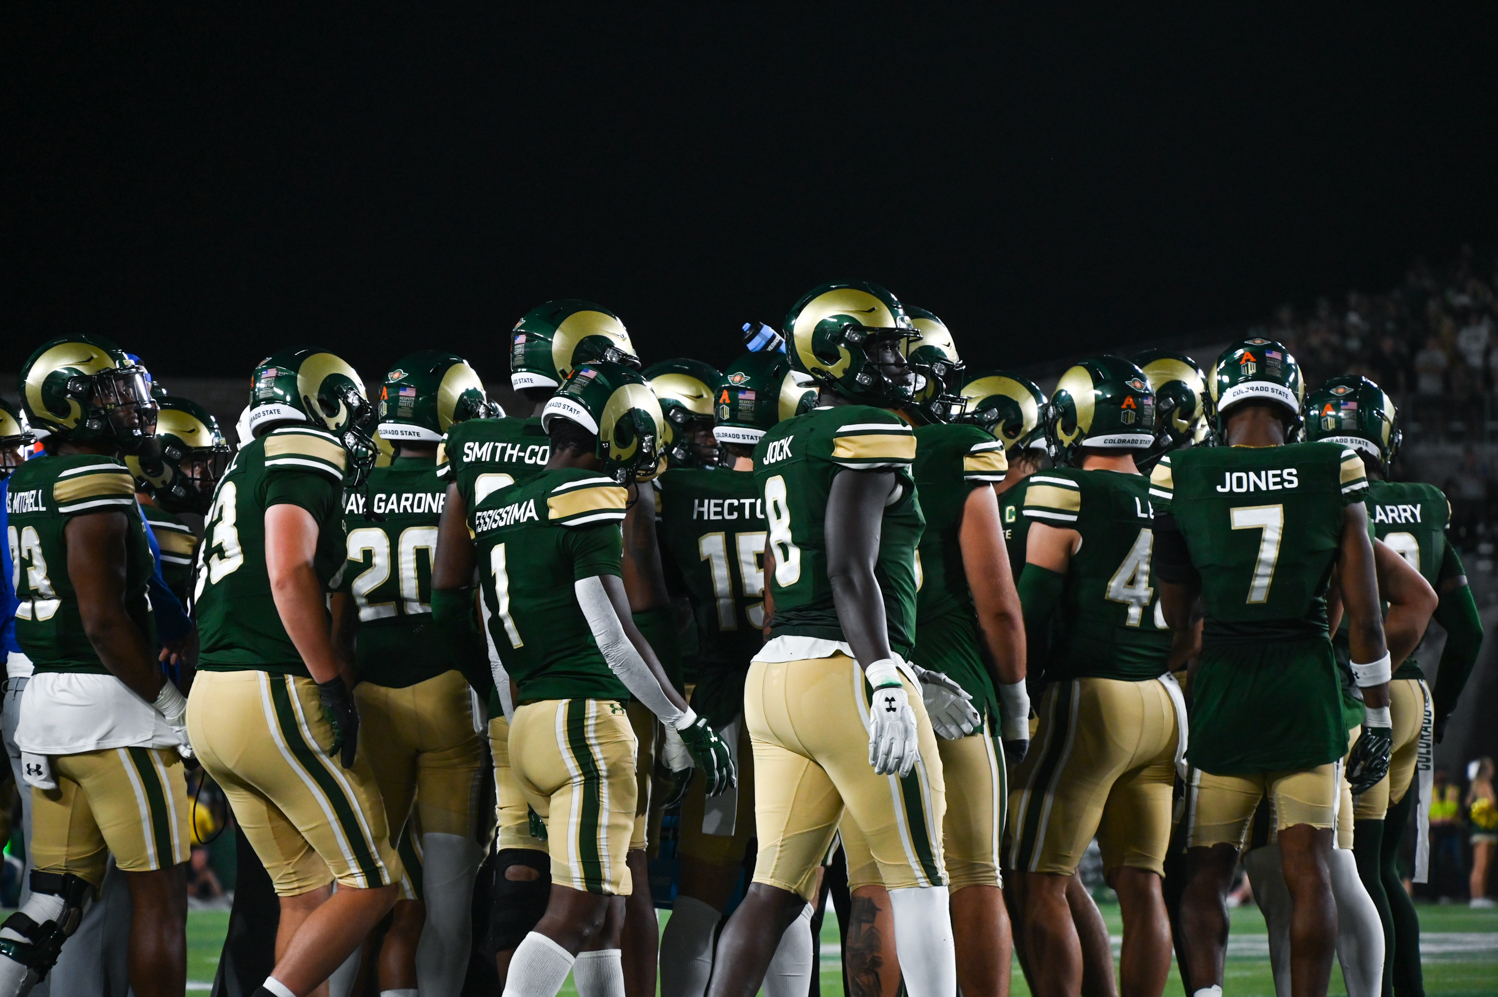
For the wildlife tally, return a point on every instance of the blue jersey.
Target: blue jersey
(8, 643)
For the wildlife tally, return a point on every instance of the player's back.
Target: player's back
(178, 544)
(535, 539)
(951, 460)
(481, 455)
(794, 466)
(1411, 517)
(1110, 625)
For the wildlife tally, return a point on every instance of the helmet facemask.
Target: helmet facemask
(120, 406)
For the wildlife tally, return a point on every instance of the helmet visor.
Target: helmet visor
(123, 394)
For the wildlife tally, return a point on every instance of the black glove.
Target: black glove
(1016, 750)
(711, 756)
(1438, 729)
(1369, 761)
(338, 706)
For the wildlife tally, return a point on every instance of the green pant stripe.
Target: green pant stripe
(344, 810)
(913, 796)
(157, 802)
(590, 805)
(1044, 773)
(411, 860)
(1003, 766)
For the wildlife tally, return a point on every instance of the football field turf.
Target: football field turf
(1460, 949)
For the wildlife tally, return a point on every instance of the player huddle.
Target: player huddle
(808, 599)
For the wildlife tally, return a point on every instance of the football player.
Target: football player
(1112, 721)
(712, 529)
(271, 712)
(1254, 529)
(844, 523)
(1411, 519)
(1183, 405)
(563, 630)
(100, 727)
(415, 706)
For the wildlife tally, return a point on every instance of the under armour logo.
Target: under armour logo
(33, 769)
(889, 704)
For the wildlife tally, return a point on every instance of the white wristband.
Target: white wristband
(883, 673)
(1373, 673)
(1014, 710)
(1377, 716)
(684, 720)
(170, 702)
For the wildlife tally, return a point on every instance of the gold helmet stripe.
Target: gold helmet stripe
(983, 387)
(310, 376)
(579, 326)
(84, 356)
(1077, 382)
(868, 309)
(623, 399)
(695, 396)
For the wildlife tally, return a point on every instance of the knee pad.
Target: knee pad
(517, 905)
(40, 943)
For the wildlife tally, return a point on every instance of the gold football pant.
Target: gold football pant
(976, 788)
(808, 723)
(265, 740)
(645, 726)
(127, 802)
(1103, 763)
(1410, 709)
(420, 741)
(513, 814)
(1219, 808)
(574, 759)
(721, 849)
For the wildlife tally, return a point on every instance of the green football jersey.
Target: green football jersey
(1016, 526)
(1411, 517)
(43, 495)
(238, 624)
(950, 461)
(560, 526)
(178, 543)
(481, 455)
(1263, 526)
(1110, 625)
(712, 531)
(794, 465)
(391, 544)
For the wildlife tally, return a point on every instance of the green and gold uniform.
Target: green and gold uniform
(712, 529)
(120, 785)
(806, 699)
(178, 543)
(1110, 717)
(479, 456)
(255, 716)
(571, 746)
(417, 713)
(1263, 526)
(1016, 526)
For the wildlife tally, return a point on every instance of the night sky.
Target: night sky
(208, 185)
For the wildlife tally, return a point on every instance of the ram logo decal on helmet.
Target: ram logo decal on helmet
(1103, 403)
(1183, 405)
(831, 331)
(1007, 405)
(757, 391)
(426, 393)
(614, 404)
(309, 384)
(552, 339)
(86, 388)
(191, 457)
(685, 389)
(939, 370)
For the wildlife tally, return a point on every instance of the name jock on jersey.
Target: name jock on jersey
(794, 466)
(1111, 623)
(238, 624)
(391, 544)
(1263, 526)
(43, 495)
(712, 526)
(553, 530)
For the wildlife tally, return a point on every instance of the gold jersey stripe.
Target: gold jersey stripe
(442, 459)
(172, 542)
(1051, 497)
(874, 446)
(1352, 468)
(991, 462)
(113, 482)
(305, 445)
(600, 498)
(1162, 477)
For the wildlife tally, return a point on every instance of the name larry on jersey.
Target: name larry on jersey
(397, 503)
(1259, 481)
(515, 512)
(1396, 513)
(728, 508)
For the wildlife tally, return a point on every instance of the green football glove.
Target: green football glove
(343, 716)
(710, 754)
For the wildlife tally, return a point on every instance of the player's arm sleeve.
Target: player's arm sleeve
(1354, 477)
(1040, 592)
(305, 467)
(623, 658)
(1458, 616)
(872, 439)
(446, 467)
(984, 463)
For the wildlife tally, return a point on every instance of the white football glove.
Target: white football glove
(948, 704)
(893, 741)
(173, 708)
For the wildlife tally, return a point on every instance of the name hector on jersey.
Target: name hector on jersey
(515, 512)
(728, 508)
(1396, 513)
(1259, 481)
(495, 452)
(397, 503)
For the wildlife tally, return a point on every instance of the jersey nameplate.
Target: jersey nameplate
(1396, 513)
(1259, 481)
(494, 452)
(31, 500)
(779, 450)
(397, 503)
(515, 512)
(728, 508)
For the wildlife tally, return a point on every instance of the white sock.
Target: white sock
(923, 937)
(687, 948)
(276, 987)
(538, 968)
(1360, 933)
(1208, 992)
(599, 974)
(449, 863)
(341, 982)
(790, 970)
(402, 992)
(1273, 897)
